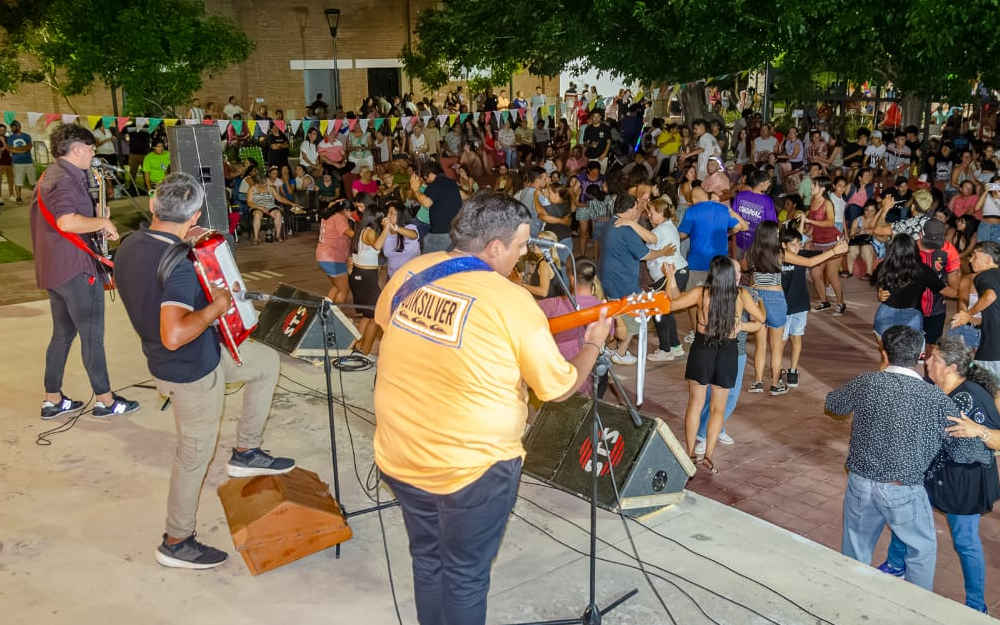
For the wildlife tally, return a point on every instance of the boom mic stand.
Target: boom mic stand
(592, 614)
(325, 308)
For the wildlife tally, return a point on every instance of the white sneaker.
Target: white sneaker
(689, 337)
(699, 447)
(626, 359)
(725, 439)
(677, 351)
(660, 356)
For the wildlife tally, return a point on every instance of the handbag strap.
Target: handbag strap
(72, 237)
(435, 273)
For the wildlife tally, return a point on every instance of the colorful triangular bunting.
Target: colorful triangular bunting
(33, 118)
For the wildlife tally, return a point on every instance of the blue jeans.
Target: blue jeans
(968, 546)
(971, 335)
(886, 316)
(988, 232)
(775, 307)
(731, 399)
(869, 506)
(453, 540)
(564, 254)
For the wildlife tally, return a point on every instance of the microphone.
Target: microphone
(545, 244)
(103, 164)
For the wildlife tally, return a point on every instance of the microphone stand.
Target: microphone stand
(325, 308)
(592, 614)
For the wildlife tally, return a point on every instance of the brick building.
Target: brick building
(294, 59)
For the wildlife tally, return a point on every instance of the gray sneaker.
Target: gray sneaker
(253, 462)
(189, 554)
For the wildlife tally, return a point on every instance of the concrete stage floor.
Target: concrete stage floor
(79, 521)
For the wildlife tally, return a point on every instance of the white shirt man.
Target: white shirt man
(709, 147)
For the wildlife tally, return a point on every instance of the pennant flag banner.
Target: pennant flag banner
(154, 122)
(503, 116)
(223, 125)
(462, 117)
(69, 118)
(441, 120)
(108, 121)
(237, 125)
(323, 124)
(141, 121)
(280, 123)
(195, 122)
(378, 123)
(392, 123)
(170, 122)
(122, 122)
(49, 118)
(252, 126)
(364, 124)
(264, 126)
(475, 117)
(92, 120)
(295, 124)
(451, 119)
(9, 116)
(352, 123)
(488, 115)
(336, 126)
(32, 119)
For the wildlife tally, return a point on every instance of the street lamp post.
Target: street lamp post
(333, 21)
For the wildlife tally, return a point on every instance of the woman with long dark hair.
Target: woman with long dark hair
(369, 237)
(903, 277)
(405, 245)
(713, 357)
(334, 246)
(765, 259)
(962, 491)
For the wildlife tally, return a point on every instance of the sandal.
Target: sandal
(709, 465)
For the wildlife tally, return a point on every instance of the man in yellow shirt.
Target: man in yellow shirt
(462, 344)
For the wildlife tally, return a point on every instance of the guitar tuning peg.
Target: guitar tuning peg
(657, 318)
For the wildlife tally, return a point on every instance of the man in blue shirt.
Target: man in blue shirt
(623, 248)
(708, 224)
(19, 145)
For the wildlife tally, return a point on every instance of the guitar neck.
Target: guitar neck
(651, 303)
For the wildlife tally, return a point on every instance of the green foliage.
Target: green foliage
(156, 51)
(925, 47)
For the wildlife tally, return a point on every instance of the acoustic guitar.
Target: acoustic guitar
(652, 303)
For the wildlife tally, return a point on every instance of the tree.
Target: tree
(154, 52)
(925, 47)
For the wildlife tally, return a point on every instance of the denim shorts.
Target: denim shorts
(332, 268)
(795, 324)
(886, 316)
(775, 306)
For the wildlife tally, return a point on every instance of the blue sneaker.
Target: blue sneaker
(64, 406)
(885, 567)
(256, 461)
(120, 406)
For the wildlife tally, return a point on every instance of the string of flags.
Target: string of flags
(324, 126)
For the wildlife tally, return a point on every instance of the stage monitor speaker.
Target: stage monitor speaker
(651, 467)
(197, 150)
(297, 331)
(277, 519)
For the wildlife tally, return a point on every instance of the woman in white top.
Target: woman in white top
(989, 205)
(661, 214)
(369, 237)
(308, 154)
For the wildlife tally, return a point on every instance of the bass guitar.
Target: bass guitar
(642, 306)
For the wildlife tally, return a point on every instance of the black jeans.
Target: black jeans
(77, 308)
(933, 328)
(666, 327)
(453, 540)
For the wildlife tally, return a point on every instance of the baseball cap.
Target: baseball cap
(923, 199)
(877, 134)
(934, 231)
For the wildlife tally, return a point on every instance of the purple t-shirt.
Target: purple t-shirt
(570, 341)
(754, 208)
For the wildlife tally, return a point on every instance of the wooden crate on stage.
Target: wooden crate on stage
(277, 519)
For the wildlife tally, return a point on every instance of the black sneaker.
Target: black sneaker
(65, 405)
(792, 378)
(120, 406)
(839, 310)
(779, 389)
(756, 387)
(189, 554)
(821, 306)
(257, 462)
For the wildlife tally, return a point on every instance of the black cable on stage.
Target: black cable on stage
(385, 546)
(44, 439)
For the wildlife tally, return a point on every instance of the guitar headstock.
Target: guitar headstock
(650, 302)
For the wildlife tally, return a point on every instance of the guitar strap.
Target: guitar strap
(72, 237)
(435, 273)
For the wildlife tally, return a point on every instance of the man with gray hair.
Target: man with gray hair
(174, 322)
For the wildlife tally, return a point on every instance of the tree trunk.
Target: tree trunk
(913, 109)
(694, 103)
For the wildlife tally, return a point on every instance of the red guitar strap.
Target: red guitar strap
(72, 237)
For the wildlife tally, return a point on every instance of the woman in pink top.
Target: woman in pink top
(334, 247)
(364, 183)
(965, 201)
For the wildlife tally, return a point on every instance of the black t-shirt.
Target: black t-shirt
(911, 294)
(989, 346)
(277, 156)
(138, 142)
(851, 148)
(899, 210)
(447, 202)
(595, 140)
(135, 274)
(793, 281)
(562, 231)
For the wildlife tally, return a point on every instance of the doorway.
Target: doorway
(384, 81)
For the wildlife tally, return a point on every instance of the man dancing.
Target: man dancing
(174, 322)
(448, 436)
(70, 275)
